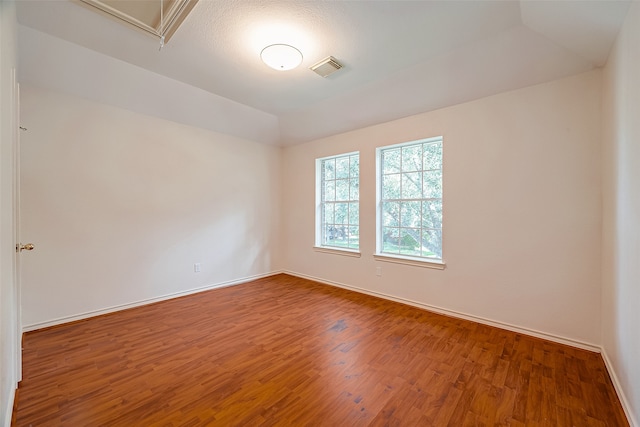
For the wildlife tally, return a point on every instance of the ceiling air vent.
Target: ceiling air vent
(327, 66)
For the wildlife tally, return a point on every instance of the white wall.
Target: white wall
(621, 216)
(9, 323)
(522, 209)
(120, 206)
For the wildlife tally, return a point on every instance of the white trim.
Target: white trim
(618, 387)
(93, 313)
(350, 153)
(338, 251)
(164, 26)
(9, 411)
(418, 262)
(430, 140)
(513, 328)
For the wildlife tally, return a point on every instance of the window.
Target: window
(410, 200)
(337, 200)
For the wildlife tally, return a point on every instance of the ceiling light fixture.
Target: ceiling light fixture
(281, 57)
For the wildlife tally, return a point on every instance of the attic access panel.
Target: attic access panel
(160, 18)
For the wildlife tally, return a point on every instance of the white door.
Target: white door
(20, 246)
(16, 226)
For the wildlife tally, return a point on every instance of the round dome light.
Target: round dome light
(281, 57)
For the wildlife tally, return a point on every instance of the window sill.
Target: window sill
(426, 263)
(336, 251)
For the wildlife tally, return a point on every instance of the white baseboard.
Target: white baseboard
(93, 313)
(616, 384)
(513, 328)
(9, 410)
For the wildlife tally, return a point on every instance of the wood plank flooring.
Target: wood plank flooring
(283, 351)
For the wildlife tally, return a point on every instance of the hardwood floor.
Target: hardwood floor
(284, 351)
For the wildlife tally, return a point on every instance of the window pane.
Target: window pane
(391, 161)
(410, 214)
(329, 168)
(391, 186)
(412, 185)
(338, 235)
(329, 233)
(390, 214)
(342, 167)
(432, 243)
(342, 213)
(354, 189)
(342, 189)
(354, 214)
(410, 241)
(334, 232)
(354, 237)
(412, 158)
(354, 166)
(432, 213)
(390, 239)
(432, 187)
(329, 191)
(432, 158)
(328, 213)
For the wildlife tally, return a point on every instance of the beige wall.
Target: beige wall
(9, 313)
(621, 214)
(522, 210)
(121, 205)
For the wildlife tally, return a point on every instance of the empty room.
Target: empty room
(320, 213)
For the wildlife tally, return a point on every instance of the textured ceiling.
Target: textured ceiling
(400, 57)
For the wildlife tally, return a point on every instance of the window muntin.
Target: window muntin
(338, 195)
(410, 199)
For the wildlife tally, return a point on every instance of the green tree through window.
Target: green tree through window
(410, 199)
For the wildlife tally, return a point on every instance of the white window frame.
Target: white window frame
(321, 246)
(430, 262)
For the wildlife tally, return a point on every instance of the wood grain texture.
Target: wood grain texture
(284, 351)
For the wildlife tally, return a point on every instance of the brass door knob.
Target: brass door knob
(25, 247)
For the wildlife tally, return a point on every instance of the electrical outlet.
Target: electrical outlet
(378, 271)
(196, 267)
